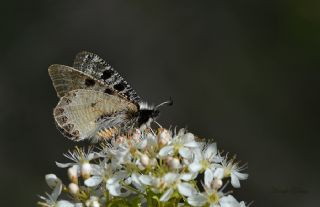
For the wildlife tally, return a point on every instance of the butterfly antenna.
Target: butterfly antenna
(169, 103)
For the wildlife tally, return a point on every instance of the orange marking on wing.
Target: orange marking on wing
(108, 133)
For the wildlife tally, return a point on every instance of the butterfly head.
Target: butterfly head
(148, 113)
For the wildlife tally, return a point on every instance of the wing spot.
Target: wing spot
(106, 74)
(68, 101)
(68, 127)
(62, 119)
(89, 82)
(108, 91)
(120, 86)
(76, 133)
(58, 111)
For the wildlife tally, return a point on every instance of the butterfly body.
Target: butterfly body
(95, 101)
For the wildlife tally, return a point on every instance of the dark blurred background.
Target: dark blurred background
(245, 73)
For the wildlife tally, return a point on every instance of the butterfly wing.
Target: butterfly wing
(82, 114)
(96, 67)
(65, 79)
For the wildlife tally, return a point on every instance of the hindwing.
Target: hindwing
(82, 114)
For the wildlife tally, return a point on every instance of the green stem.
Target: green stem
(149, 198)
(107, 198)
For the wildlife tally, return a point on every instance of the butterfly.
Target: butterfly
(95, 101)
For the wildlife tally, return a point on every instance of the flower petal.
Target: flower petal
(52, 180)
(185, 153)
(170, 178)
(195, 166)
(136, 182)
(93, 181)
(218, 173)
(166, 150)
(64, 165)
(146, 179)
(56, 191)
(241, 176)
(188, 176)
(208, 177)
(121, 174)
(96, 169)
(188, 137)
(197, 200)
(114, 189)
(167, 195)
(92, 156)
(64, 203)
(192, 144)
(235, 181)
(242, 204)
(186, 189)
(210, 151)
(229, 201)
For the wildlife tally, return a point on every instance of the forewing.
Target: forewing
(79, 112)
(65, 79)
(95, 66)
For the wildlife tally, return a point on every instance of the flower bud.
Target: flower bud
(52, 180)
(153, 162)
(86, 170)
(216, 183)
(164, 137)
(93, 202)
(73, 188)
(144, 159)
(173, 163)
(73, 174)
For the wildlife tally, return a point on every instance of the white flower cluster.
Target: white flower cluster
(147, 169)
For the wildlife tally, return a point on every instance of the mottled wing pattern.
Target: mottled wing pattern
(82, 114)
(65, 79)
(95, 66)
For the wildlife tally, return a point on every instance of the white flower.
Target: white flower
(205, 160)
(181, 144)
(229, 201)
(145, 165)
(147, 180)
(120, 156)
(53, 181)
(231, 169)
(81, 161)
(169, 183)
(93, 202)
(135, 181)
(56, 184)
(52, 199)
(105, 173)
(174, 182)
(64, 203)
(213, 198)
(164, 136)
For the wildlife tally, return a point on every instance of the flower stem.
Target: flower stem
(107, 198)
